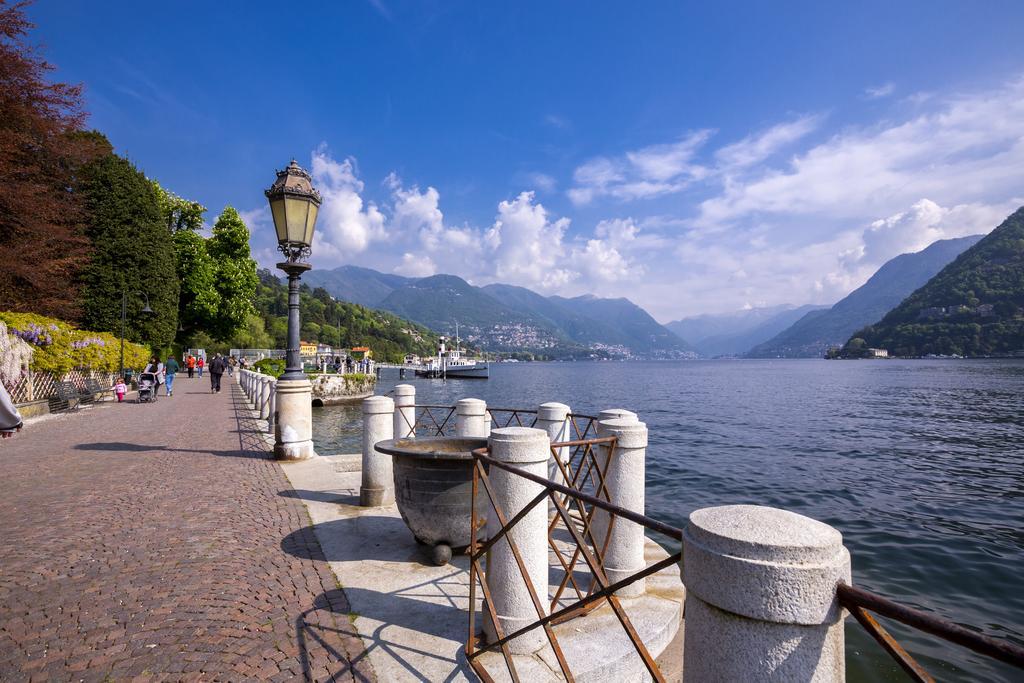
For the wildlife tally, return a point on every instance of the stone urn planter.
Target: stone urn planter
(434, 488)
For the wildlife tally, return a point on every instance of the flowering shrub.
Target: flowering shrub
(58, 346)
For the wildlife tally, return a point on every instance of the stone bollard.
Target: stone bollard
(471, 418)
(272, 412)
(761, 596)
(624, 478)
(553, 418)
(617, 414)
(527, 449)
(378, 486)
(265, 398)
(405, 411)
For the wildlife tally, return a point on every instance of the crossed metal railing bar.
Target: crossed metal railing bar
(439, 420)
(861, 602)
(601, 590)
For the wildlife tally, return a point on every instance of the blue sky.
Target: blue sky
(694, 157)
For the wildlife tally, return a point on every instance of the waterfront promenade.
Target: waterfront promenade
(161, 542)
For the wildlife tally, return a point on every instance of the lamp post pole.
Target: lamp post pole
(293, 361)
(294, 204)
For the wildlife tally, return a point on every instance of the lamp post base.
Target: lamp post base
(293, 426)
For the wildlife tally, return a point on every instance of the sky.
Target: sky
(692, 157)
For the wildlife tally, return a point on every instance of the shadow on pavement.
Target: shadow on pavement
(409, 614)
(298, 544)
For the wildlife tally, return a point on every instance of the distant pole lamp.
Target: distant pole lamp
(124, 318)
(294, 204)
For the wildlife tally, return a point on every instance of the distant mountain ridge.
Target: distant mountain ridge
(501, 317)
(974, 306)
(733, 334)
(812, 335)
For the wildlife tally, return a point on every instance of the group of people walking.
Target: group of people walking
(165, 371)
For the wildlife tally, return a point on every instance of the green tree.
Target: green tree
(131, 251)
(179, 213)
(199, 301)
(236, 278)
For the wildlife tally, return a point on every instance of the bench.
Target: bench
(94, 389)
(66, 393)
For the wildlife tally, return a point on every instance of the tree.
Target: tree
(38, 157)
(236, 278)
(179, 213)
(132, 251)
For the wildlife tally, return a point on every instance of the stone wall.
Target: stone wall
(334, 389)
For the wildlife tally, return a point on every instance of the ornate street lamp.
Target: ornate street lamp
(294, 204)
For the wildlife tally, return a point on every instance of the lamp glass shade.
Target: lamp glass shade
(311, 222)
(296, 211)
(280, 224)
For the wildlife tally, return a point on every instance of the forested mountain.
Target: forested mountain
(973, 307)
(507, 318)
(339, 323)
(816, 332)
(359, 285)
(736, 333)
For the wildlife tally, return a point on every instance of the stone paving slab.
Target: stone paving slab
(160, 542)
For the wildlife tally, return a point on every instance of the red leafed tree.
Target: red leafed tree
(42, 241)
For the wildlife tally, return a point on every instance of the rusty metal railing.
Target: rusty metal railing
(861, 603)
(439, 420)
(583, 465)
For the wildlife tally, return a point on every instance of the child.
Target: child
(120, 389)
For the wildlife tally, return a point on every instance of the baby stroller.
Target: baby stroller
(147, 387)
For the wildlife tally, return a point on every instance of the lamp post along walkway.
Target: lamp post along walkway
(294, 204)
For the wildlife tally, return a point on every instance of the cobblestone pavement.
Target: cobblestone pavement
(148, 542)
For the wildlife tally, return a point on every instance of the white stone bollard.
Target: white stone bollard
(527, 449)
(761, 596)
(617, 414)
(553, 418)
(405, 411)
(471, 418)
(378, 486)
(272, 416)
(265, 398)
(293, 429)
(624, 479)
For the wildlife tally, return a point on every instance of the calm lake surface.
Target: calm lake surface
(920, 464)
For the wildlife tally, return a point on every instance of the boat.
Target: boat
(449, 363)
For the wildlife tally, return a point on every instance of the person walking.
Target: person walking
(199, 364)
(216, 370)
(190, 365)
(170, 367)
(231, 366)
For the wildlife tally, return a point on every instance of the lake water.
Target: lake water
(920, 464)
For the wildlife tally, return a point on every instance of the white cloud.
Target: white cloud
(527, 246)
(416, 265)
(644, 173)
(542, 181)
(345, 226)
(754, 149)
(880, 91)
(968, 147)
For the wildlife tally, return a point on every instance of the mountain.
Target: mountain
(817, 331)
(629, 325)
(973, 307)
(732, 334)
(361, 286)
(338, 323)
(506, 318)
